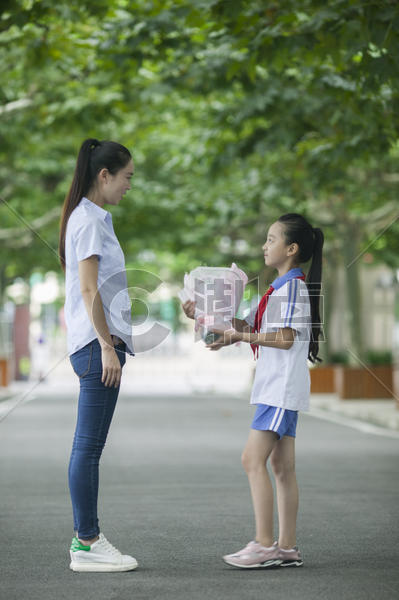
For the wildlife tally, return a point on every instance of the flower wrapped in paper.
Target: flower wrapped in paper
(217, 293)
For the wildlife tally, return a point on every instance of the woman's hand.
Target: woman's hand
(112, 370)
(226, 338)
(189, 308)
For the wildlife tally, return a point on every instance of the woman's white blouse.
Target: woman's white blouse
(90, 231)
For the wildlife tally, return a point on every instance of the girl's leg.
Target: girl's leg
(282, 460)
(258, 448)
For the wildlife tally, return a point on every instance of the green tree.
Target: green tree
(235, 112)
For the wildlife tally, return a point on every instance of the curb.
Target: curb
(9, 396)
(378, 413)
(359, 425)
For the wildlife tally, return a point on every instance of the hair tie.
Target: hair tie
(94, 144)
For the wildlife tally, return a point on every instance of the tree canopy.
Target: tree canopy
(235, 112)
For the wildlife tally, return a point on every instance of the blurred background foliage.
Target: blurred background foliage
(235, 111)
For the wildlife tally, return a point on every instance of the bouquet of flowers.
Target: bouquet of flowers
(217, 293)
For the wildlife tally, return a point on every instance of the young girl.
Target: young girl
(97, 337)
(283, 332)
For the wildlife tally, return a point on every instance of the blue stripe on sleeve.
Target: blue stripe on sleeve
(291, 302)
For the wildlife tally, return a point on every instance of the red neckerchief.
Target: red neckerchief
(261, 311)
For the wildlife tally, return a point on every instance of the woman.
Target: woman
(98, 336)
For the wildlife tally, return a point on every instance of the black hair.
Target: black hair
(93, 156)
(310, 242)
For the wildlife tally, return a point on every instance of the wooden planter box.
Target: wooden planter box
(362, 383)
(322, 380)
(396, 384)
(5, 372)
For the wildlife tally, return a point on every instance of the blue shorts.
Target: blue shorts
(271, 418)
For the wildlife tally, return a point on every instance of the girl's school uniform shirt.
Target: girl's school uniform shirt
(282, 376)
(90, 232)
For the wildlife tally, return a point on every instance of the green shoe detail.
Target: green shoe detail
(77, 545)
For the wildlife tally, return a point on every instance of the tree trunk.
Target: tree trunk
(2, 284)
(351, 249)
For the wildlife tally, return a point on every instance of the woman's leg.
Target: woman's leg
(95, 411)
(258, 448)
(282, 460)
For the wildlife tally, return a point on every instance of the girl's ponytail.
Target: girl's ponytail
(313, 281)
(93, 156)
(310, 241)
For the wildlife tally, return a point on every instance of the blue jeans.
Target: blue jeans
(95, 410)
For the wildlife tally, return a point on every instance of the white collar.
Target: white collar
(95, 208)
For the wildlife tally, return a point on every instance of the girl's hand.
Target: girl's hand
(231, 336)
(189, 308)
(112, 369)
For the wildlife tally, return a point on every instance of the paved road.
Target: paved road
(174, 495)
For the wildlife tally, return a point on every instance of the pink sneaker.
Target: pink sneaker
(254, 556)
(290, 558)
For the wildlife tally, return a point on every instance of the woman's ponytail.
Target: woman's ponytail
(310, 241)
(93, 156)
(82, 179)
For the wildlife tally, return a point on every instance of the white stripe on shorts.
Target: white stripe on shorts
(279, 419)
(276, 416)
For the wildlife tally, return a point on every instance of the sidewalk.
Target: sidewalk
(378, 412)
(203, 374)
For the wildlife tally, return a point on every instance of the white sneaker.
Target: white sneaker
(101, 556)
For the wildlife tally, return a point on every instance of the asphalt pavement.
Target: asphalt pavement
(174, 495)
